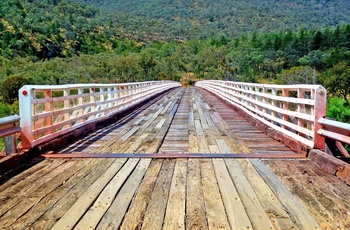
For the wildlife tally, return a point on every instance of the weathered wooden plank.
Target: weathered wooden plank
(223, 146)
(296, 210)
(28, 185)
(235, 210)
(51, 198)
(130, 133)
(156, 114)
(202, 117)
(214, 149)
(115, 214)
(18, 183)
(267, 198)
(251, 203)
(198, 128)
(193, 144)
(133, 218)
(221, 120)
(214, 118)
(215, 210)
(139, 120)
(134, 145)
(155, 212)
(175, 210)
(61, 203)
(31, 199)
(195, 206)
(73, 215)
(104, 200)
(160, 123)
(167, 107)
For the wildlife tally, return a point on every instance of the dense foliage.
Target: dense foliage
(206, 18)
(60, 41)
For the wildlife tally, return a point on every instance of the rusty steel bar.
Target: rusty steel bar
(173, 155)
(341, 149)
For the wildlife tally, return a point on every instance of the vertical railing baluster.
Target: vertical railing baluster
(319, 111)
(80, 102)
(301, 109)
(285, 106)
(66, 105)
(48, 120)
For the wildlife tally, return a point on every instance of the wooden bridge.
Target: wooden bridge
(154, 155)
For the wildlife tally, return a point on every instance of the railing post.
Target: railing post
(285, 106)
(301, 109)
(48, 120)
(8, 131)
(320, 97)
(25, 111)
(10, 144)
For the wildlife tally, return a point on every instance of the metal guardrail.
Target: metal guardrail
(292, 110)
(48, 111)
(336, 134)
(8, 131)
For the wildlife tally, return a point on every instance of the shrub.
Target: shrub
(338, 109)
(10, 87)
(5, 110)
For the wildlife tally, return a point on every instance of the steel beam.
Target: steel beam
(173, 155)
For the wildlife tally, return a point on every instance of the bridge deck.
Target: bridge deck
(135, 193)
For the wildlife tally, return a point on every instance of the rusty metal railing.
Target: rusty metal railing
(292, 110)
(8, 131)
(336, 135)
(48, 111)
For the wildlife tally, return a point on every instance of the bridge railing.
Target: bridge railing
(292, 110)
(336, 134)
(49, 111)
(8, 131)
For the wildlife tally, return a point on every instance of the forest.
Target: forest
(64, 41)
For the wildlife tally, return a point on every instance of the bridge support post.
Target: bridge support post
(25, 111)
(320, 97)
(10, 144)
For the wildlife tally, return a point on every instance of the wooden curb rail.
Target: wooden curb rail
(331, 164)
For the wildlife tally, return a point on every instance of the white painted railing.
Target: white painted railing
(49, 111)
(291, 109)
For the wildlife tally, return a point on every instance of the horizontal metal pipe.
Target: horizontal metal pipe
(171, 155)
(9, 119)
(334, 136)
(335, 124)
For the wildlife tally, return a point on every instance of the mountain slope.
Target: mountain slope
(204, 18)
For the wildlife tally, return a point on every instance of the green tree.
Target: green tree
(5, 110)
(10, 87)
(338, 109)
(337, 80)
(298, 75)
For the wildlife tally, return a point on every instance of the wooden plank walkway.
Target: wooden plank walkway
(144, 193)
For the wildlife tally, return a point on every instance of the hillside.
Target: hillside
(205, 18)
(66, 41)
